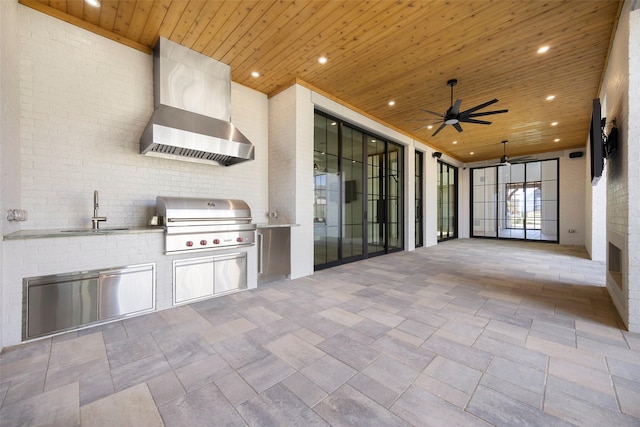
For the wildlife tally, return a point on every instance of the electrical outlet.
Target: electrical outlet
(571, 230)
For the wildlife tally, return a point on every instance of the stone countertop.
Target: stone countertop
(75, 232)
(274, 225)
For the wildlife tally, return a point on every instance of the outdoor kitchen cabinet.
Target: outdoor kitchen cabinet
(67, 301)
(204, 277)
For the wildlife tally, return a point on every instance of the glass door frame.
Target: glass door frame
(419, 199)
(439, 200)
(399, 181)
(497, 204)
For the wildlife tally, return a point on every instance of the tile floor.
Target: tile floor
(469, 332)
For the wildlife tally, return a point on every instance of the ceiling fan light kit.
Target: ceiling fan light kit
(454, 116)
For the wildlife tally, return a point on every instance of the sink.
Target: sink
(100, 230)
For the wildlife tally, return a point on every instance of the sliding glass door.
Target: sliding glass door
(447, 201)
(358, 194)
(419, 197)
(518, 201)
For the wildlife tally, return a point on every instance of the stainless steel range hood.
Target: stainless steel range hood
(191, 121)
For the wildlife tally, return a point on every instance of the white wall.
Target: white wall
(82, 102)
(595, 239)
(572, 200)
(9, 127)
(621, 89)
(85, 101)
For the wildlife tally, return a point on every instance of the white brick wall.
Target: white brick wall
(633, 146)
(9, 125)
(85, 102)
(621, 95)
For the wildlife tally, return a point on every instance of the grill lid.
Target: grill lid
(201, 209)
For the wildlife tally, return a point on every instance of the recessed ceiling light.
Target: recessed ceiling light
(556, 140)
(392, 103)
(255, 74)
(455, 142)
(472, 153)
(554, 123)
(94, 3)
(322, 60)
(551, 97)
(543, 49)
(333, 123)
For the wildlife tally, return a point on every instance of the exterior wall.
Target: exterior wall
(633, 144)
(9, 127)
(290, 178)
(74, 105)
(572, 200)
(595, 239)
(621, 95)
(85, 101)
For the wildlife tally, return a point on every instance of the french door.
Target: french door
(517, 201)
(358, 194)
(447, 201)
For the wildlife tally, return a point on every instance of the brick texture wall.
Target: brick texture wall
(85, 101)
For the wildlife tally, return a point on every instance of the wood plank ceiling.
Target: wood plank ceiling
(405, 51)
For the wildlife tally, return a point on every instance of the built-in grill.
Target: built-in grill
(197, 224)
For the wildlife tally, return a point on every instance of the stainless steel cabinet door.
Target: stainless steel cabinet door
(126, 291)
(193, 279)
(62, 305)
(230, 273)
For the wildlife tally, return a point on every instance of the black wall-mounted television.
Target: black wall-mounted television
(596, 143)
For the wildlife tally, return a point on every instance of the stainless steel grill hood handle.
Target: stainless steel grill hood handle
(191, 121)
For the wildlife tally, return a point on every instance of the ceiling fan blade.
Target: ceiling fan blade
(478, 122)
(455, 109)
(439, 129)
(458, 127)
(486, 113)
(433, 112)
(478, 107)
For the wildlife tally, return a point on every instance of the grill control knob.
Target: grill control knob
(189, 243)
(216, 241)
(239, 240)
(203, 243)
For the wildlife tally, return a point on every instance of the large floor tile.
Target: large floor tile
(278, 406)
(59, 407)
(349, 407)
(141, 409)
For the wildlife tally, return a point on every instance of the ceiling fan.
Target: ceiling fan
(506, 160)
(454, 116)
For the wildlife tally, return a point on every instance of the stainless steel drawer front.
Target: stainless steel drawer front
(62, 302)
(61, 306)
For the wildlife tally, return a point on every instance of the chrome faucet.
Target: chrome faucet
(95, 220)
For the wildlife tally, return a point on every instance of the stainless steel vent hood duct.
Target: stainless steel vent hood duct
(191, 121)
